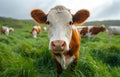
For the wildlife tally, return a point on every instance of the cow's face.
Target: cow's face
(60, 22)
(11, 29)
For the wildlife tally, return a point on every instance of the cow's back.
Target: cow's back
(114, 29)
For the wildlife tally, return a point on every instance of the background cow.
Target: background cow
(35, 31)
(44, 28)
(113, 30)
(90, 31)
(5, 30)
(64, 37)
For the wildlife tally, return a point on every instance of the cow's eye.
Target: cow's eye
(70, 23)
(47, 22)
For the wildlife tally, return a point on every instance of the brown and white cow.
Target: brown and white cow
(63, 34)
(6, 30)
(35, 31)
(90, 31)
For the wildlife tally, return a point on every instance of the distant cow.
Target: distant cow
(44, 28)
(91, 31)
(5, 30)
(63, 34)
(113, 30)
(35, 31)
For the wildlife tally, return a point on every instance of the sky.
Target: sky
(99, 9)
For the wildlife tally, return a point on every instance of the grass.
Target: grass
(23, 56)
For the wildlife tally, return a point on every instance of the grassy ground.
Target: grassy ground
(23, 56)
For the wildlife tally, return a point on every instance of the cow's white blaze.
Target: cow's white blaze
(59, 27)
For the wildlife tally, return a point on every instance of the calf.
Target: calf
(90, 31)
(5, 30)
(64, 37)
(35, 31)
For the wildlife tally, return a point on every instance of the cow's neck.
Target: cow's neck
(75, 42)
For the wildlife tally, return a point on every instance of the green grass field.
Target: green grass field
(23, 56)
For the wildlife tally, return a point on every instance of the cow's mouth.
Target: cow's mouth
(58, 51)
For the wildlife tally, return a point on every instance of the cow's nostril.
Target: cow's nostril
(52, 43)
(63, 44)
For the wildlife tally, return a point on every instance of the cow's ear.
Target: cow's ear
(80, 16)
(39, 16)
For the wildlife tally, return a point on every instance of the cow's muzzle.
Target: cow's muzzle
(58, 46)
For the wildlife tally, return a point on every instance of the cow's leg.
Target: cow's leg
(89, 35)
(59, 68)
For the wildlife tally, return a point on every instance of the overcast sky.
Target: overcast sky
(99, 9)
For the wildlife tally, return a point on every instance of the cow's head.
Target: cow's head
(11, 29)
(60, 22)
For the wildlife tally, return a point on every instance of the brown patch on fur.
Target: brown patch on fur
(80, 16)
(74, 43)
(84, 31)
(96, 29)
(11, 30)
(39, 16)
(37, 30)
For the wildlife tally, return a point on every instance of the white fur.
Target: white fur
(88, 34)
(114, 30)
(59, 29)
(64, 61)
(34, 33)
(37, 27)
(44, 28)
(6, 30)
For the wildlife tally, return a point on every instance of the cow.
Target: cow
(113, 30)
(35, 31)
(63, 35)
(90, 31)
(44, 28)
(6, 30)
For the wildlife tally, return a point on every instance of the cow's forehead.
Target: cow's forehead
(60, 8)
(59, 13)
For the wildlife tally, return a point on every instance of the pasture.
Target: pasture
(23, 56)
